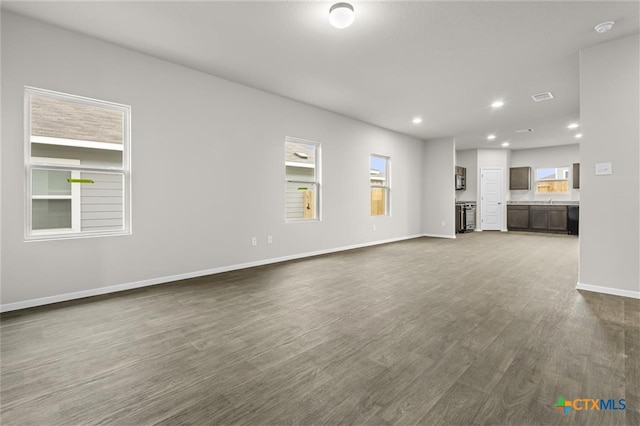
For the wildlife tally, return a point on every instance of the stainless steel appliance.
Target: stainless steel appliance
(470, 217)
(460, 182)
(465, 216)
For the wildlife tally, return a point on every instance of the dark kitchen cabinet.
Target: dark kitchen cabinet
(576, 175)
(557, 219)
(518, 218)
(520, 178)
(548, 218)
(538, 218)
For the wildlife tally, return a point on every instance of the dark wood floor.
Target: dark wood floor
(485, 329)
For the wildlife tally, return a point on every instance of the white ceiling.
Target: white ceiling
(444, 61)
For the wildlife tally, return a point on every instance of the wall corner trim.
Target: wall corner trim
(162, 280)
(608, 290)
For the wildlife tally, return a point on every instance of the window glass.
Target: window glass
(302, 189)
(77, 168)
(379, 181)
(552, 180)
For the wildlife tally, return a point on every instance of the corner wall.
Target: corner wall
(207, 172)
(610, 204)
(438, 207)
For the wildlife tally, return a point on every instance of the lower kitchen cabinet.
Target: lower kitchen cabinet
(538, 218)
(557, 219)
(518, 217)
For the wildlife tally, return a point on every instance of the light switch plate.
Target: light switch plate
(603, 169)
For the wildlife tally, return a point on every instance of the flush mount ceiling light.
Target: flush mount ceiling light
(573, 126)
(505, 144)
(497, 104)
(341, 15)
(579, 135)
(491, 137)
(417, 120)
(604, 27)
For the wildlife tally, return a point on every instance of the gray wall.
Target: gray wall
(207, 170)
(609, 205)
(439, 189)
(557, 156)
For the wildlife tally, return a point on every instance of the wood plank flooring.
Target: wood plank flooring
(484, 329)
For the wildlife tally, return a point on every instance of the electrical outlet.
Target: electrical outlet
(269, 239)
(254, 241)
(443, 223)
(374, 228)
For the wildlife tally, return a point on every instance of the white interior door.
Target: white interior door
(492, 212)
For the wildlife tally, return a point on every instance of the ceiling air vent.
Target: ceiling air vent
(524, 130)
(542, 96)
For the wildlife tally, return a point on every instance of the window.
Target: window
(76, 165)
(552, 180)
(302, 171)
(380, 188)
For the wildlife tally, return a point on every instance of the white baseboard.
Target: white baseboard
(161, 280)
(608, 290)
(439, 236)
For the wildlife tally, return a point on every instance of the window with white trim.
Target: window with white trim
(380, 185)
(77, 166)
(552, 180)
(302, 174)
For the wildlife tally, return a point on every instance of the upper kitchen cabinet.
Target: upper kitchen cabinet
(520, 178)
(576, 175)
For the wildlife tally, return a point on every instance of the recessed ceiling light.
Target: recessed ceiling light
(341, 15)
(604, 27)
(417, 120)
(573, 126)
(497, 104)
(505, 143)
(579, 135)
(491, 137)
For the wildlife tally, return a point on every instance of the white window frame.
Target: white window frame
(386, 185)
(316, 182)
(74, 196)
(75, 168)
(563, 179)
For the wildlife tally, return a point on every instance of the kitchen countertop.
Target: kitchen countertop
(544, 203)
